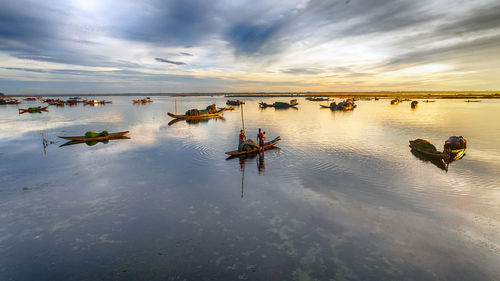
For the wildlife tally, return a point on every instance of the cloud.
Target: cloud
(169, 61)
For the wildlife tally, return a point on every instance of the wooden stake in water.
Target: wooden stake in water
(242, 119)
(44, 143)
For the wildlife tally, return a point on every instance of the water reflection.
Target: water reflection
(197, 121)
(92, 143)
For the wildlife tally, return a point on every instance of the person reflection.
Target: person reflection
(261, 165)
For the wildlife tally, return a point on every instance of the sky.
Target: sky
(163, 46)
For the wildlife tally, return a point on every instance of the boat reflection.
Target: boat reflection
(440, 163)
(92, 143)
(261, 164)
(196, 121)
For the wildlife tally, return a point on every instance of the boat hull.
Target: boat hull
(267, 145)
(196, 116)
(108, 137)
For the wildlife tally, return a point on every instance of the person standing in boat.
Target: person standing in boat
(260, 141)
(242, 140)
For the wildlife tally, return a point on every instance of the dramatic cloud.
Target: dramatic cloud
(259, 45)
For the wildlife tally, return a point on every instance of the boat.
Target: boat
(95, 102)
(343, 106)
(230, 108)
(209, 115)
(427, 149)
(267, 146)
(317, 99)
(33, 109)
(107, 137)
(428, 101)
(196, 121)
(473, 101)
(414, 104)
(92, 143)
(235, 102)
(146, 100)
(293, 103)
(30, 99)
(394, 101)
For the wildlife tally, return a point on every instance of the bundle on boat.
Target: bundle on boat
(209, 112)
(344, 106)
(248, 145)
(91, 134)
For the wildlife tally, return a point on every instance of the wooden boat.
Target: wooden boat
(91, 143)
(30, 99)
(146, 100)
(32, 109)
(267, 146)
(195, 121)
(473, 101)
(210, 115)
(108, 137)
(318, 99)
(230, 108)
(235, 102)
(414, 104)
(427, 149)
(394, 101)
(293, 103)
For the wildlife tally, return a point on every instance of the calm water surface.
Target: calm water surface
(342, 199)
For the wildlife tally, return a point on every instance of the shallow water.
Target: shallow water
(342, 198)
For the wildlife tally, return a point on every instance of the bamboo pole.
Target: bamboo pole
(242, 119)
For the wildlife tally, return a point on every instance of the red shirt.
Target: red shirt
(259, 136)
(243, 137)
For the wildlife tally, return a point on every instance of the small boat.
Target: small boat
(107, 137)
(92, 143)
(146, 100)
(209, 115)
(347, 105)
(317, 99)
(414, 104)
(30, 99)
(376, 98)
(230, 108)
(235, 102)
(278, 104)
(473, 101)
(427, 149)
(428, 101)
(33, 109)
(394, 101)
(267, 146)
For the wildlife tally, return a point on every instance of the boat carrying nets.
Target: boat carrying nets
(193, 112)
(91, 134)
(247, 145)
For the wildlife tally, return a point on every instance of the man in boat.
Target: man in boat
(260, 140)
(242, 140)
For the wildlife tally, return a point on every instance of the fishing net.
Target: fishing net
(248, 145)
(211, 108)
(193, 112)
(91, 134)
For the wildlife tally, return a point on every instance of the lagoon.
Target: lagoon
(341, 199)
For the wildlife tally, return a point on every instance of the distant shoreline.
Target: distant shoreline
(414, 95)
